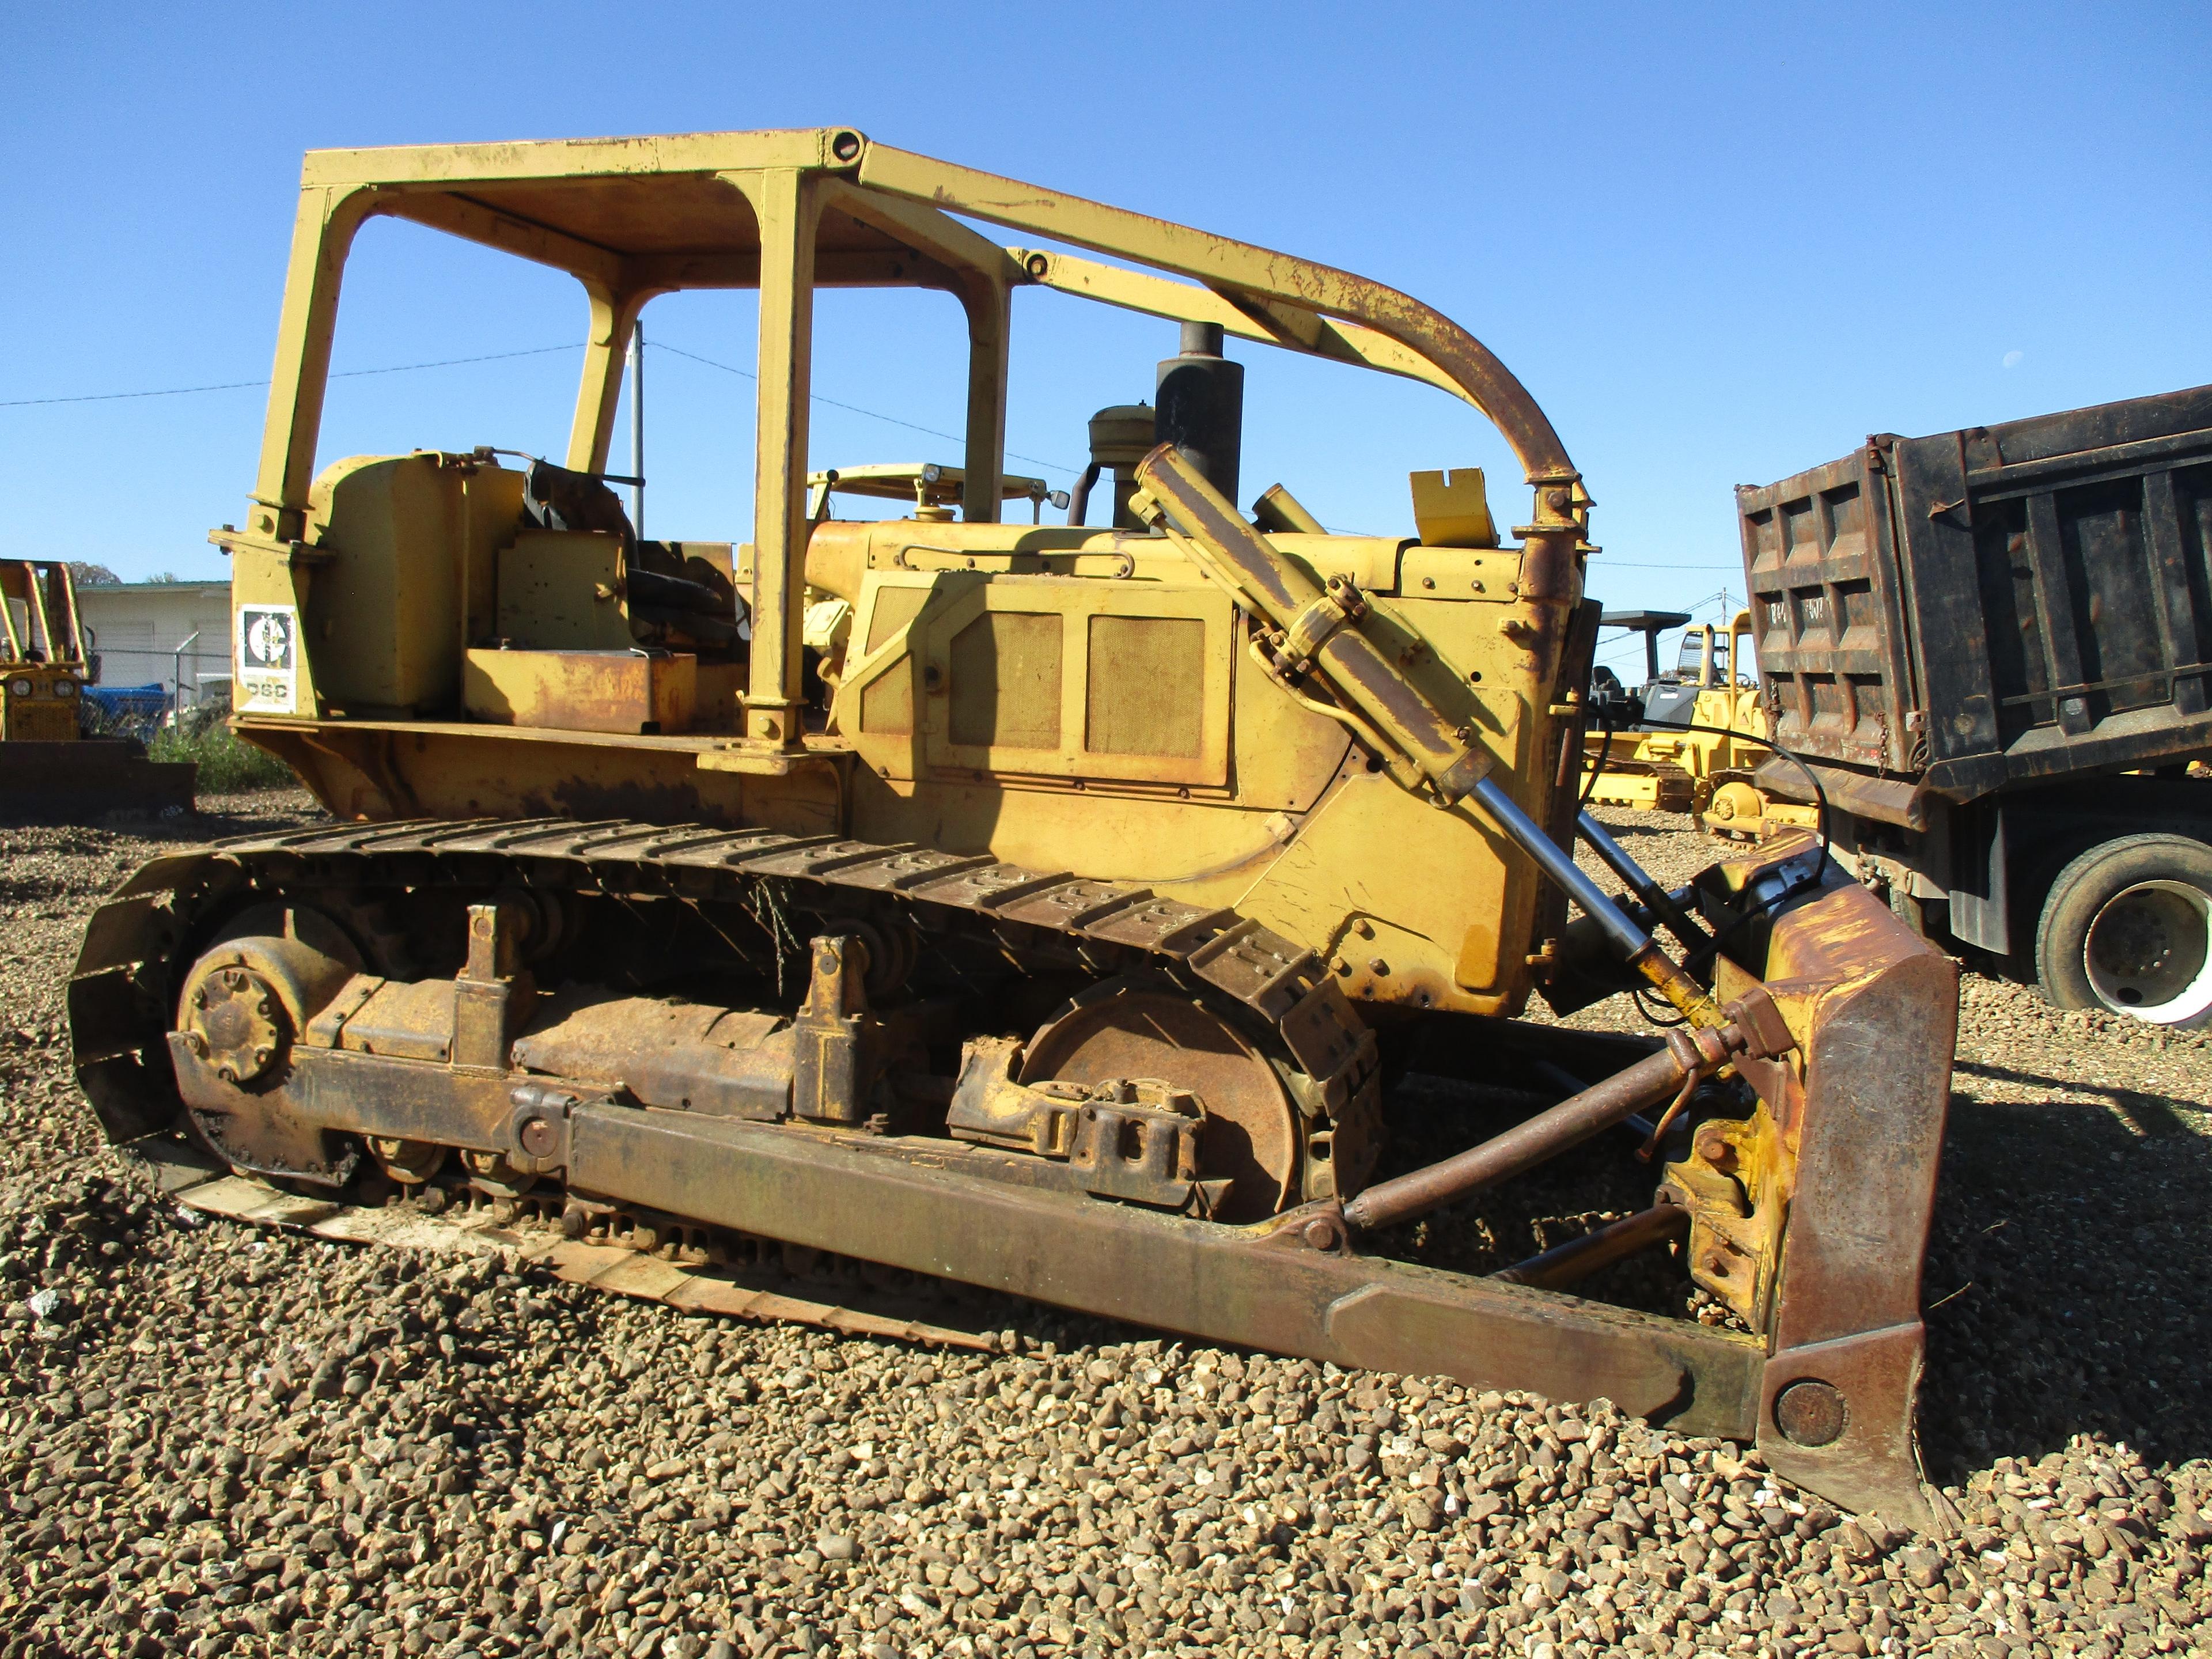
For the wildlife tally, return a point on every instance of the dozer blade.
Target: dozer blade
(1807, 1215)
(1839, 1166)
(88, 777)
(1642, 787)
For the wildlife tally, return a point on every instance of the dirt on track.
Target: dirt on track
(216, 1441)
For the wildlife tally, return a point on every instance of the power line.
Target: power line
(236, 386)
(111, 397)
(501, 356)
(893, 420)
(491, 357)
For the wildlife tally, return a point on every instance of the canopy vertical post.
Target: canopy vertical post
(598, 394)
(987, 303)
(322, 235)
(784, 200)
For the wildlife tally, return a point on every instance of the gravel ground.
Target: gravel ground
(216, 1441)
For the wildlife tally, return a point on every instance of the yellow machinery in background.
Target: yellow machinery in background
(48, 767)
(1652, 765)
(1062, 935)
(44, 654)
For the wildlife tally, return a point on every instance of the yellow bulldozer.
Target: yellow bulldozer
(50, 765)
(1066, 935)
(1693, 735)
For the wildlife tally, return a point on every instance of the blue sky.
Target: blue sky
(1719, 244)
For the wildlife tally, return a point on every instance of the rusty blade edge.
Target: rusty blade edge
(602, 1267)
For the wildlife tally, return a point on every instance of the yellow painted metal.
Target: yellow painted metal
(1067, 698)
(1240, 271)
(785, 204)
(43, 661)
(1277, 323)
(614, 313)
(559, 590)
(1641, 792)
(582, 691)
(1452, 509)
(1724, 702)
(39, 701)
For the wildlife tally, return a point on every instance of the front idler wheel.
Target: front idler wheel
(244, 1005)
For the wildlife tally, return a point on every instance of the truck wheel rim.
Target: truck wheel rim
(2148, 952)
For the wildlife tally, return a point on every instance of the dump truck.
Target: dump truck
(1994, 646)
(1065, 937)
(49, 766)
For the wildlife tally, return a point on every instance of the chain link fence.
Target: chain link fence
(137, 692)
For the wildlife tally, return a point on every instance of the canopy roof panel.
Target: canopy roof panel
(651, 215)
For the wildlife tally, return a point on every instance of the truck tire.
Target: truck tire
(2128, 926)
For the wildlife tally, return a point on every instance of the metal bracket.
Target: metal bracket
(1133, 1139)
(485, 992)
(1731, 1186)
(537, 1132)
(1311, 628)
(1138, 1140)
(831, 1073)
(1767, 1035)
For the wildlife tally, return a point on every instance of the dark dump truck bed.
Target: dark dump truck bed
(1993, 646)
(1993, 605)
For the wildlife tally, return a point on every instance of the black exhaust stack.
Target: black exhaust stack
(1201, 406)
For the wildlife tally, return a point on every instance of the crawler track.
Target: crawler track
(143, 940)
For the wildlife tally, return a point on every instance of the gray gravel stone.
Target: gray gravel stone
(245, 1443)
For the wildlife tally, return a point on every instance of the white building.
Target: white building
(176, 635)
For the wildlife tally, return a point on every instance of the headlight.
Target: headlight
(18, 687)
(65, 687)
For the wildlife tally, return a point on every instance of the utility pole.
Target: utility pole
(637, 426)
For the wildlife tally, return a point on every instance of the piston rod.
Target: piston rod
(1687, 1056)
(1578, 1258)
(1641, 882)
(1631, 943)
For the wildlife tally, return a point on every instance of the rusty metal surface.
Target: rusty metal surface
(1240, 1285)
(1850, 976)
(1981, 609)
(1134, 1030)
(622, 691)
(622, 1271)
(120, 996)
(1576, 1258)
(1858, 1133)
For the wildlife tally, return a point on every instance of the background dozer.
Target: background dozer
(1689, 740)
(1063, 940)
(48, 767)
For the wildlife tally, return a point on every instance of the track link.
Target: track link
(123, 994)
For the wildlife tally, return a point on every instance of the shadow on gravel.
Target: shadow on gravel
(1624, 828)
(2065, 1287)
(2148, 1115)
